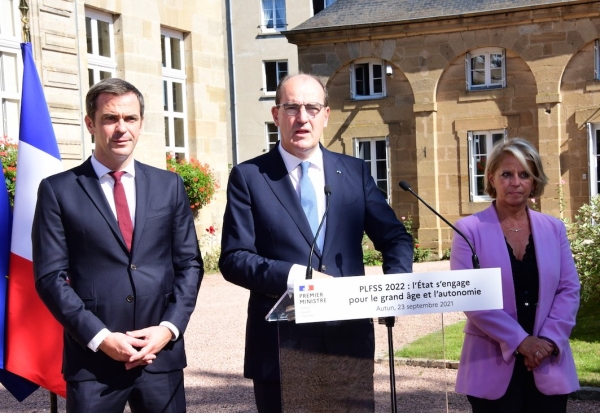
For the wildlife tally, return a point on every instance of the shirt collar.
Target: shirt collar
(102, 170)
(291, 162)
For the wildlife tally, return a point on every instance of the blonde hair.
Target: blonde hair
(528, 157)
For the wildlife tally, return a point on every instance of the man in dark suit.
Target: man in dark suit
(116, 261)
(267, 234)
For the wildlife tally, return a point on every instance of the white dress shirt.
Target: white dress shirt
(107, 183)
(316, 173)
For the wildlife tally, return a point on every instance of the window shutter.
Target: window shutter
(467, 72)
(503, 68)
(387, 167)
(592, 161)
(352, 82)
(596, 61)
(471, 170)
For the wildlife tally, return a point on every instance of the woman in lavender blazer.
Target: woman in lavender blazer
(518, 359)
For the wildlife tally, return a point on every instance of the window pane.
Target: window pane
(91, 77)
(10, 109)
(282, 70)
(175, 53)
(177, 97)
(497, 137)
(380, 150)
(364, 150)
(280, 14)
(88, 34)
(377, 86)
(7, 23)
(103, 39)
(381, 169)
(179, 135)
(267, 7)
(167, 134)
(318, 5)
(271, 76)
(163, 53)
(361, 76)
(165, 96)
(10, 81)
(496, 76)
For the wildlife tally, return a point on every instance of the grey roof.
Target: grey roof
(346, 13)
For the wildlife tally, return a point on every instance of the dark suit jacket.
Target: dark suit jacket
(265, 232)
(89, 280)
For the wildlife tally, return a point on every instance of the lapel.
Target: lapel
(142, 201)
(547, 255)
(334, 177)
(87, 178)
(276, 175)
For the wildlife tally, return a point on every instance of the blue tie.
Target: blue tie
(308, 198)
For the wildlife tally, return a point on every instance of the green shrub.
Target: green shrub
(419, 254)
(584, 235)
(371, 256)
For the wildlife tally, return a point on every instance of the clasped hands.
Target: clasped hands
(136, 348)
(535, 350)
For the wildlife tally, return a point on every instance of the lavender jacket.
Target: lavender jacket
(491, 337)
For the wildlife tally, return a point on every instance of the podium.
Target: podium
(321, 369)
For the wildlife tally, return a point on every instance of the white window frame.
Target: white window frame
(97, 63)
(10, 57)
(373, 161)
(263, 21)
(270, 134)
(371, 79)
(472, 137)
(593, 131)
(324, 3)
(171, 76)
(279, 73)
(486, 52)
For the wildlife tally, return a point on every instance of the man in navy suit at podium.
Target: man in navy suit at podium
(275, 202)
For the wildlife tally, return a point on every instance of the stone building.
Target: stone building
(422, 90)
(259, 56)
(174, 52)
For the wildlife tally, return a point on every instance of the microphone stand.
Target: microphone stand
(309, 269)
(474, 258)
(389, 323)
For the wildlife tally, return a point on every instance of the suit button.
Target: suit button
(323, 268)
(133, 267)
(129, 298)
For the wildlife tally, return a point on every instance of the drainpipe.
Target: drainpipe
(232, 90)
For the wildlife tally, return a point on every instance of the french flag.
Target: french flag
(19, 387)
(34, 342)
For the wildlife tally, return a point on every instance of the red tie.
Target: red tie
(122, 208)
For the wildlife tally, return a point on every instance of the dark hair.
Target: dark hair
(528, 157)
(113, 86)
(288, 77)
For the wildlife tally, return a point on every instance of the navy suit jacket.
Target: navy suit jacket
(90, 281)
(265, 232)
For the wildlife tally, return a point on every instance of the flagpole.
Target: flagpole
(24, 8)
(25, 20)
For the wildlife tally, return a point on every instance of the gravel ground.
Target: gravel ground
(215, 348)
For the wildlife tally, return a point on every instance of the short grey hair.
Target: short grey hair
(528, 157)
(113, 86)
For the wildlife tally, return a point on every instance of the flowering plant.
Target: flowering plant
(200, 183)
(211, 250)
(8, 156)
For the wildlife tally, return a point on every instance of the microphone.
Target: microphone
(309, 269)
(474, 258)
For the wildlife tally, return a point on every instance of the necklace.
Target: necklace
(512, 229)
